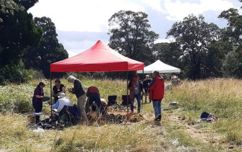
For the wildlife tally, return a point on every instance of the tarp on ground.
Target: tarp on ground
(98, 58)
(160, 67)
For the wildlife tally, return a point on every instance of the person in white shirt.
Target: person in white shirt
(61, 102)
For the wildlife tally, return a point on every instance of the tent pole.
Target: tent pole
(51, 100)
(127, 92)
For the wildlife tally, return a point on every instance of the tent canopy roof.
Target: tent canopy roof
(98, 58)
(160, 67)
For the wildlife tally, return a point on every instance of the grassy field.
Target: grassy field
(181, 129)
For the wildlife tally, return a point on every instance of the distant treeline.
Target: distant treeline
(200, 49)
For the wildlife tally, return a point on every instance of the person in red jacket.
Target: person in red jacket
(156, 94)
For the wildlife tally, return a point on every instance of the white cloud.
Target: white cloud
(76, 47)
(153, 4)
(80, 15)
(178, 9)
(92, 16)
(71, 53)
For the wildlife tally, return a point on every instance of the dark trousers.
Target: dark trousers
(38, 105)
(94, 98)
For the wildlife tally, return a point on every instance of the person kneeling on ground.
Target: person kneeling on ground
(156, 94)
(61, 102)
(94, 100)
(80, 95)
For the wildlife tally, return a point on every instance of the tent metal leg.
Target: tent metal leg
(127, 91)
(51, 93)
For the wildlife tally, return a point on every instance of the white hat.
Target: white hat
(61, 95)
(71, 78)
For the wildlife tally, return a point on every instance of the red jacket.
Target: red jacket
(156, 89)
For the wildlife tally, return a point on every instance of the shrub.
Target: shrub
(17, 74)
(13, 73)
(6, 106)
(22, 106)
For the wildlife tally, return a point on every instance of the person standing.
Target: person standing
(156, 94)
(146, 83)
(58, 88)
(37, 100)
(80, 95)
(135, 87)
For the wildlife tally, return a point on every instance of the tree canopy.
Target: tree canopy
(131, 34)
(26, 42)
(194, 36)
(48, 50)
(18, 32)
(233, 36)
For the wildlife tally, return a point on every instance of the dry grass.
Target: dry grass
(222, 97)
(132, 137)
(219, 96)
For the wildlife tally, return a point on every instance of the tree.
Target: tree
(18, 33)
(168, 53)
(49, 50)
(233, 62)
(26, 3)
(194, 36)
(130, 34)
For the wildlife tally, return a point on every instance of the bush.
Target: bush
(6, 106)
(33, 74)
(22, 106)
(16, 98)
(12, 73)
(17, 74)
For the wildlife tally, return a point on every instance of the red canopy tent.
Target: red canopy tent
(98, 58)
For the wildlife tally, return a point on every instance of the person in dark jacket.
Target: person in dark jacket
(135, 87)
(58, 88)
(37, 100)
(94, 98)
(156, 94)
(80, 95)
(146, 83)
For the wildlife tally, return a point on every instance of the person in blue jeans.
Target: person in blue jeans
(156, 94)
(135, 87)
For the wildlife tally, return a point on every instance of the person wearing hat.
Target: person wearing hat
(61, 102)
(37, 100)
(80, 95)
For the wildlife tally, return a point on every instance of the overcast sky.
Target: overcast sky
(80, 23)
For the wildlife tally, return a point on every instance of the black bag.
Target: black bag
(112, 100)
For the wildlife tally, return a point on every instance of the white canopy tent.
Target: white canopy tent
(160, 67)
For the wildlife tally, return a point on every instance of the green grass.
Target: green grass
(222, 97)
